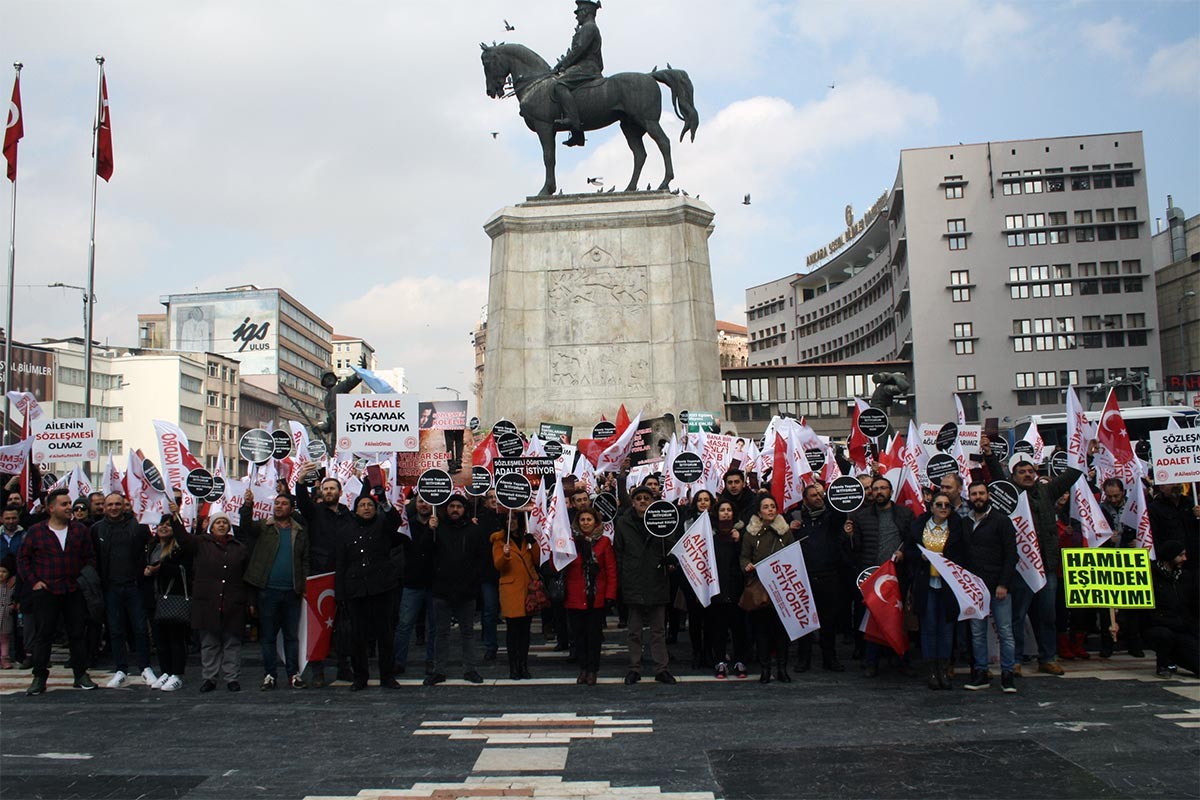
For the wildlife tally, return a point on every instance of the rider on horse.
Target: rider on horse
(581, 65)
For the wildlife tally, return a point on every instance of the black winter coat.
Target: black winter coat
(917, 567)
(103, 533)
(823, 539)
(418, 551)
(323, 523)
(993, 545)
(458, 551)
(370, 556)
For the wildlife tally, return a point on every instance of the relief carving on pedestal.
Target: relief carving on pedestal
(598, 371)
(597, 305)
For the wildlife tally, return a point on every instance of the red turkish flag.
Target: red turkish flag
(592, 449)
(104, 147)
(1112, 433)
(14, 130)
(857, 446)
(881, 595)
(485, 450)
(320, 608)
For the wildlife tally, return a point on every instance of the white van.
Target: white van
(1139, 421)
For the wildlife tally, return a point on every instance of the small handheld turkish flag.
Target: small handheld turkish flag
(104, 146)
(320, 608)
(881, 596)
(1113, 434)
(14, 129)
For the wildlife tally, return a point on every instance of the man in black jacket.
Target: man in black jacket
(120, 544)
(826, 546)
(370, 560)
(324, 518)
(880, 528)
(737, 492)
(1174, 518)
(459, 548)
(992, 543)
(416, 601)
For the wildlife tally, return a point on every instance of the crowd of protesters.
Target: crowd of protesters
(89, 570)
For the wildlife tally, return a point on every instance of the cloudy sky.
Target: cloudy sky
(342, 151)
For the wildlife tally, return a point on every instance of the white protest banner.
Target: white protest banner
(698, 559)
(14, 457)
(785, 578)
(111, 481)
(1092, 522)
(57, 440)
(539, 524)
(968, 436)
(175, 464)
(27, 404)
(562, 540)
(974, 599)
(1175, 455)
(1077, 432)
(148, 503)
(377, 423)
(1029, 552)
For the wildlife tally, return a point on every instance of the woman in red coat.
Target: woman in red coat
(591, 584)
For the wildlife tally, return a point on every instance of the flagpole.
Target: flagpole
(90, 298)
(8, 328)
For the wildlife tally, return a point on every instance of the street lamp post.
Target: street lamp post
(457, 393)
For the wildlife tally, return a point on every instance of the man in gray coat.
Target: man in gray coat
(642, 577)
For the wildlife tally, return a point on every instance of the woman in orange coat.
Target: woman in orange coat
(515, 555)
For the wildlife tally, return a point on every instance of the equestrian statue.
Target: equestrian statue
(574, 96)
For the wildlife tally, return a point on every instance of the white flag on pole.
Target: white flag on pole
(785, 578)
(698, 559)
(974, 599)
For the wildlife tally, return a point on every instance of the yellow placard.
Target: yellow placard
(1107, 577)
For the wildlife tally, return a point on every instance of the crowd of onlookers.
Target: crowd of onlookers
(122, 591)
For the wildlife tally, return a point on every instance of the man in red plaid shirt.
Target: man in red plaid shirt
(52, 556)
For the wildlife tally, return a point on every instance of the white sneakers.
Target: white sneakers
(172, 683)
(117, 680)
(149, 677)
(158, 684)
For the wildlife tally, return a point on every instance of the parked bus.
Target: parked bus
(1139, 421)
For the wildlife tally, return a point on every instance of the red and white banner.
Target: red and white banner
(320, 608)
(104, 144)
(15, 457)
(148, 503)
(714, 452)
(698, 559)
(78, 484)
(262, 480)
(1034, 437)
(562, 542)
(1078, 432)
(974, 599)
(785, 578)
(1136, 515)
(539, 524)
(790, 473)
(856, 447)
(610, 460)
(112, 480)
(1092, 522)
(14, 129)
(1029, 551)
(27, 404)
(176, 462)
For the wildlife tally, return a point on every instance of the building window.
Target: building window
(1015, 240)
(956, 225)
(1127, 231)
(1054, 180)
(1131, 267)
(1036, 237)
(966, 383)
(1133, 284)
(960, 277)
(957, 242)
(190, 416)
(964, 347)
(962, 295)
(190, 384)
(1080, 182)
(1123, 179)
(1068, 377)
(1033, 186)
(1136, 338)
(1010, 187)
(954, 192)
(212, 370)
(212, 399)
(1019, 292)
(1024, 380)
(963, 330)
(111, 447)
(1012, 221)
(214, 431)
(1085, 234)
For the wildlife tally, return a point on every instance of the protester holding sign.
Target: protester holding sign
(821, 533)
(220, 599)
(1172, 627)
(941, 531)
(459, 549)
(642, 569)
(515, 557)
(766, 532)
(724, 620)
(369, 562)
(591, 587)
(1040, 605)
(278, 569)
(992, 545)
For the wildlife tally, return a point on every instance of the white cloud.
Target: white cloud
(1111, 38)
(1173, 69)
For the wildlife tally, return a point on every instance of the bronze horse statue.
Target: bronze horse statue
(632, 99)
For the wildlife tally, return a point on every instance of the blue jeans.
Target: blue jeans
(937, 633)
(119, 601)
(279, 610)
(412, 603)
(491, 614)
(1040, 607)
(1002, 619)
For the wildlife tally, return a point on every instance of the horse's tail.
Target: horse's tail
(681, 97)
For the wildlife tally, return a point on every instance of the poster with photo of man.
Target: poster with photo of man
(443, 442)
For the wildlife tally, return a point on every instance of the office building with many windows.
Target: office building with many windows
(1004, 271)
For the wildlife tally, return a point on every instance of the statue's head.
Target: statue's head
(586, 9)
(494, 73)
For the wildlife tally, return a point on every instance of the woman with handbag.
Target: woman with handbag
(766, 532)
(169, 570)
(591, 585)
(515, 556)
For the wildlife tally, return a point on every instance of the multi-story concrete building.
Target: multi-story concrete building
(282, 346)
(1004, 271)
(351, 351)
(733, 343)
(1177, 285)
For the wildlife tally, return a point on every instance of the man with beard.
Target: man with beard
(325, 517)
(992, 543)
(459, 548)
(877, 532)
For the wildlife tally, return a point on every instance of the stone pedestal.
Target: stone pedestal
(597, 300)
